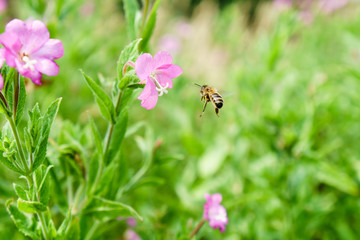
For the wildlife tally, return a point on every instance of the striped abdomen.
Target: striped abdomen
(217, 100)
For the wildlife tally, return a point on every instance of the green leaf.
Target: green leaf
(130, 78)
(73, 231)
(118, 134)
(97, 136)
(47, 122)
(23, 222)
(20, 192)
(30, 206)
(333, 176)
(131, 7)
(104, 101)
(21, 102)
(64, 226)
(129, 53)
(149, 27)
(10, 164)
(92, 170)
(106, 209)
(44, 187)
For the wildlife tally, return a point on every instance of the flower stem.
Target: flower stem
(107, 146)
(196, 230)
(18, 143)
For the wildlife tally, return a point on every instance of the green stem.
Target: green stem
(18, 143)
(196, 230)
(43, 225)
(107, 145)
(92, 230)
(145, 14)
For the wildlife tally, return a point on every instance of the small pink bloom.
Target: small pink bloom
(156, 73)
(329, 6)
(3, 5)
(282, 3)
(214, 212)
(2, 59)
(170, 43)
(131, 235)
(306, 17)
(131, 221)
(30, 50)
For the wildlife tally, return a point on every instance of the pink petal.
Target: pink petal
(47, 67)
(1, 82)
(216, 198)
(11, 42)
(170, 70)
(35, 75)
(52, 49)
(144, 66)
(162, 58)
(32, 34)
(2, 56)
(164, 79)
(149, 95)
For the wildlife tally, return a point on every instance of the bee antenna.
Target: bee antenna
(197, 84)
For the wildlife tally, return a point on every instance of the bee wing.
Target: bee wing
(226, 93)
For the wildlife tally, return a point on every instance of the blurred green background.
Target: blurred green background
(284, 152)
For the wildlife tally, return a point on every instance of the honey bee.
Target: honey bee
(210, 94)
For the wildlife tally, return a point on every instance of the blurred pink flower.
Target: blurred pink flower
(131, 235)
(3, 5)
(183, 29)
(28, 47)
(329, 6)
(282, 3)
(156, 73)
(2, 59)
(170, 43)
(87, 9)
(131, 221)
(306, 17)
(214, 212)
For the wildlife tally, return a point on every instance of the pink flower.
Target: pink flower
(156, 73)
(214, 212)
(2, 59)
(131, 221)
(329, 6)
(131, 235)
(30, 50)
(282, 3)
(3, 5)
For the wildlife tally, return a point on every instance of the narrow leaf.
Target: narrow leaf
(9, 164)
(101, 97)
(131, 7)
(44, 188)
(149, 27)
(21, 102)
(20, 192)
(118, 134)
(64, 226)
(129, 53)
(47, 122)
(30, 206)
(23, 222)
(103, 208)
(96, 135)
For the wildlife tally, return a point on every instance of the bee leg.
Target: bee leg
(204, 109)
(217, 112)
